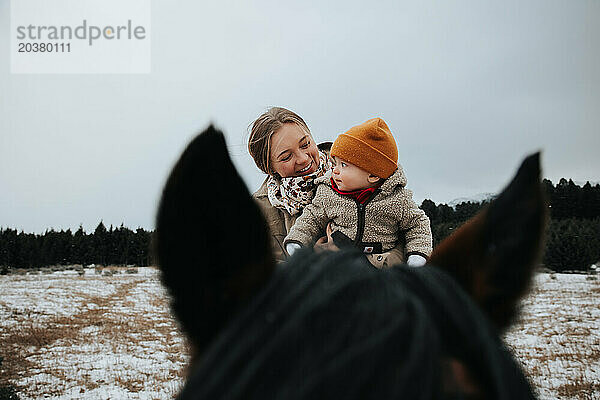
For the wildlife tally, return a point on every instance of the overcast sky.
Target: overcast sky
(467, 88)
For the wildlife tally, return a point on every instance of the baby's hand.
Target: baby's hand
(326, 242)
(292, 247)
(415, 260)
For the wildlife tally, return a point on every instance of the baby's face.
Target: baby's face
(349, 177)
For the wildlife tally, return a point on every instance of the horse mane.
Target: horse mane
(335, 327)
(330, 325)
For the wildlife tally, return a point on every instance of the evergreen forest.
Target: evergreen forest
(572, 239)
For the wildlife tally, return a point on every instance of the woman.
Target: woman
(283, 148)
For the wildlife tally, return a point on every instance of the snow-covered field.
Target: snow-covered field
(65, 336)
(557, 338)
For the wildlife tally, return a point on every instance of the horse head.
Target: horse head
(329, 325)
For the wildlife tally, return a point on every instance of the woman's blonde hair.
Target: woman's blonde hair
(263, 128)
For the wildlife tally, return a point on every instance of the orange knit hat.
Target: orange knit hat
(369, 146)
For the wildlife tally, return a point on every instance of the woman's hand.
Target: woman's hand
(325, 243)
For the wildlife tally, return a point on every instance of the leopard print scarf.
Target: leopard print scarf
(292, 194)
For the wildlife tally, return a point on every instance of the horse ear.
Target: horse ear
(493, 255)
(212, 241)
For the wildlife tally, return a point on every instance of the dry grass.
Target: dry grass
(579, 389)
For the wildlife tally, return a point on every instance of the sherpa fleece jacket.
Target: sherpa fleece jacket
(374, 227)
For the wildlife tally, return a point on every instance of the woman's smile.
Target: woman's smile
(307, 169)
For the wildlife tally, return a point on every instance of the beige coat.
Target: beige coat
(374, 227)
(279, 221)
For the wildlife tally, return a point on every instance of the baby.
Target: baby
(364, 200)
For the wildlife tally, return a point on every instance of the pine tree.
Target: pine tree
(100, 244)
(430, 209)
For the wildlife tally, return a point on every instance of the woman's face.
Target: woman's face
(293, 152)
